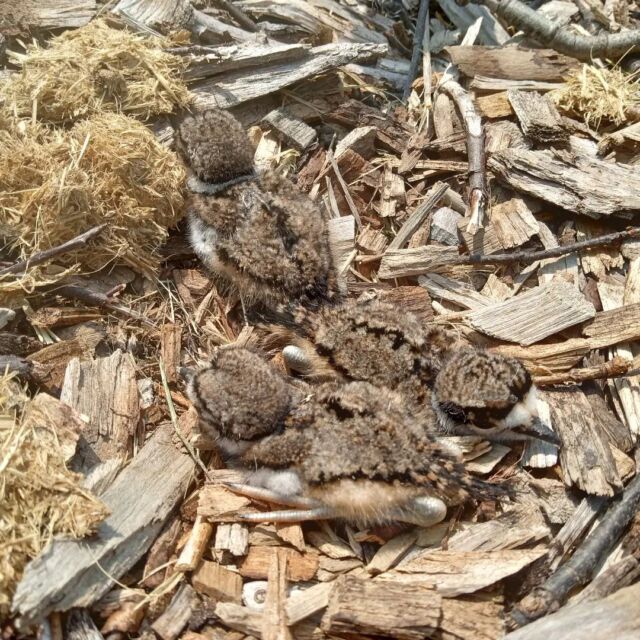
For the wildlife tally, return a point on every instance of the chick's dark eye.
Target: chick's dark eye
(454, 411)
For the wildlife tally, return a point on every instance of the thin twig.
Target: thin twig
(174, 421)
(613, 368)
(582, 565)
(555, 36)
(632, 233)
(236, 12)
(76, 292)
(47, 254)
(418, 37)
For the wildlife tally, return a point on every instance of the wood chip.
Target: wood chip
(217, 504)
(176, 616)
(342, 233)
(170, 349)
(400, 263)
(444, 226)
(391, 552)
(232, 537)
(538, 117)
(300, 566)
(534, 315)
(443, 288)
(454, 573)
(291, 130)
(75, 573)
(216, 581)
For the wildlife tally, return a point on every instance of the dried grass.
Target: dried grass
(598, 96)
(40, 497)
(94, 69)
(55, 184)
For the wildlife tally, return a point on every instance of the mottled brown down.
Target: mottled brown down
(239, 396)
(215, 146)
(362, 433)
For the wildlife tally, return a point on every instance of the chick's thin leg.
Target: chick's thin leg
(292, 515)
(266, 495)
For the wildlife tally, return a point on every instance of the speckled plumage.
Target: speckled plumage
(239, 396)
(215, 146)
(480, 387)
(261, 234)
(357, 432)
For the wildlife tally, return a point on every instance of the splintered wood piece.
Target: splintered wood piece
(329, 543)
(232, 537)
(193, 551)
(217, 504)
(487, 462)
(303, 604)
(538, 117)
(105, 390)
(616, 616)
(274, 620)
(52, 317)
(444, 226)
(46, 412)
(582, 185)
(217, 582)
(513, 223)
(613, 327)
(292, 534)
(300, 566)
(510, 530)
(342, 232)
(495, 105)
(170, 344)
(401, 263)
(504, 135)
(75, 573)
(157, 562)
(291, 130)
(512, 62)
(392, 193)
(462, 619)
(243, 619)
(391, 552)
(454, 573)
(237, 86)
(443, 288)
(372, 241)
(389, 609)
(534, 315)
(361, 140)
(55, 358)
(585, 454)
(176, 616)
(46, 15)
(443, 116)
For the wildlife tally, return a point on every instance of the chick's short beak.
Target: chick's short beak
(536, 429)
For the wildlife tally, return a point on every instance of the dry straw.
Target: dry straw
(95, 69)
(598, 96)
(55, 184)
(40, 497)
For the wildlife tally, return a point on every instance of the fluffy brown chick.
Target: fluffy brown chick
(261, 234)
(356, 453)
(480, 393)
(372, 341)
(240, 398)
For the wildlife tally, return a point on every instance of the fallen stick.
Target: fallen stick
(612, 369)
(76, 292)
(555, 36)
(533, 256)
(582, 565)
(47, 254)
(236, 12)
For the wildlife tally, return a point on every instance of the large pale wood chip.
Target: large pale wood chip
(512, 62)
(218, 582)
(342, 233)
(538, 117)
(176, 616)
(274, 619)
(75, 573)
(582, 185)
(291, 130)
(534, 315)
(300, 566)
(217, 504)
(443, 288)
(20, 18)
(104, 390)
(307, 602)
(401, 263)
(240, 618)
(232, 537)
(225, 90)
(585, 455)
(389, 609)
(617, 616)
(454, 573)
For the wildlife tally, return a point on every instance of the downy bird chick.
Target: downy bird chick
(485, 394)
(240, 398)
(371, 341)
(352, 451)
(259, 233)
(473, 392)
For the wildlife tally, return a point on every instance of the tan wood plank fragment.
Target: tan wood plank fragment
(300, 566)
(400, 263)
(217, 582)
(538, 117)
